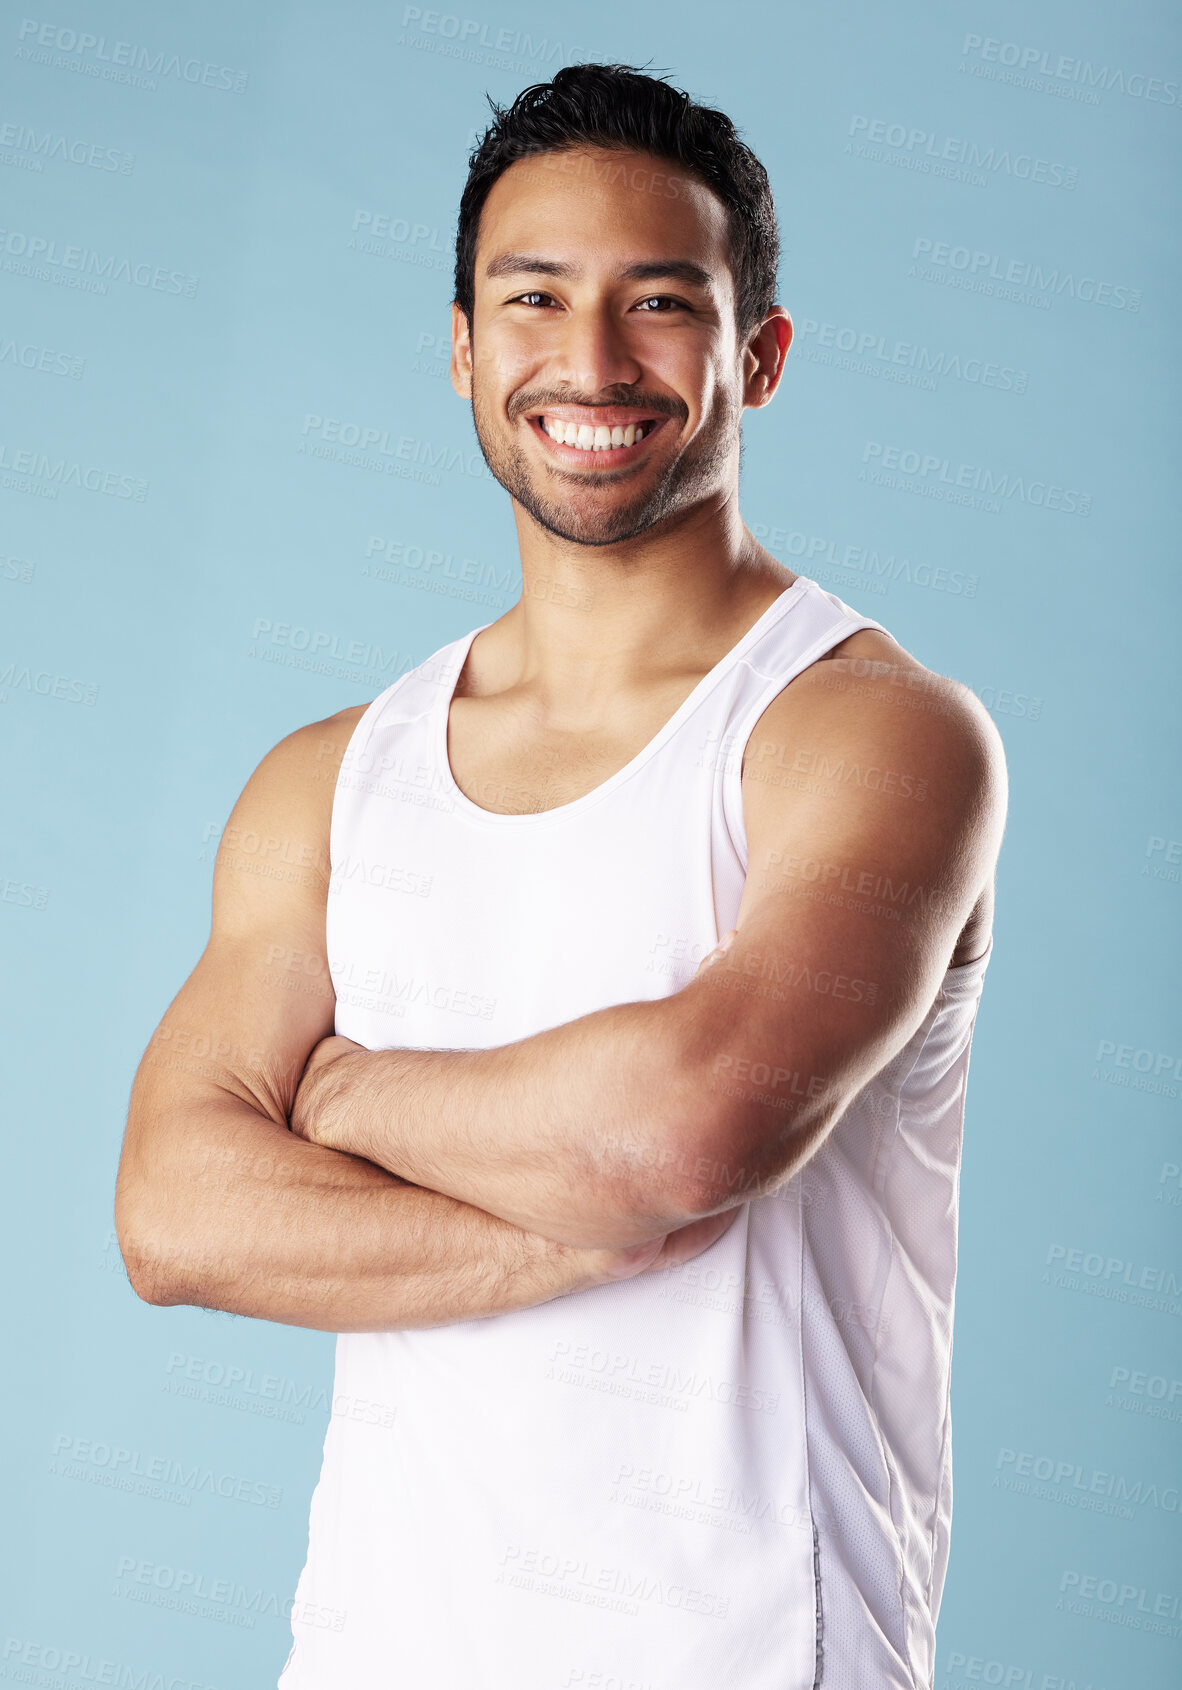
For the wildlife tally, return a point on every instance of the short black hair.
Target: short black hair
(622, 107)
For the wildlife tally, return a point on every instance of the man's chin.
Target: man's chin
(586, 518)
(605, 528)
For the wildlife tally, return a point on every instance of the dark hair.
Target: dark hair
(618, 106)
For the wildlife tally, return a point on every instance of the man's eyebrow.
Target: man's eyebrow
(645, 270)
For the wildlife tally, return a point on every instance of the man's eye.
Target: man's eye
(652, 299)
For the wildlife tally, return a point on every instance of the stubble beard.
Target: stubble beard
(685, 481)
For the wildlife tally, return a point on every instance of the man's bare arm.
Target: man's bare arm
(875, 814)
(606, 1127)
(217, 1202)
(557, 1132)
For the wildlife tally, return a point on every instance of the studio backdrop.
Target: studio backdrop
(240, 493)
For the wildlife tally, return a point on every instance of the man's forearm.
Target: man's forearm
(241, 1215)
(585, 1133)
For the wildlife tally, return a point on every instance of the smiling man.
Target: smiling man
(598, 1074)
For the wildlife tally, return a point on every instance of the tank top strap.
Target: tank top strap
(819, 620)
(412, 700)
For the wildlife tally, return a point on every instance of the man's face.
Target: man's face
(604, 298)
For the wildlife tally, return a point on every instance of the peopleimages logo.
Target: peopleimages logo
(1130, 1599)
(473, 32)
(24, 468)
(1024, 273)
(191, 1591)
(1072, 1476)
(174, 1480)
(923, 149)
(78, 265)
(95, 55)
(939, 477)
(1156, 1072)
(95, 1669)
(33, 148)
(976, 1669)
(477, 41)
(1026, 65)
(869, 347)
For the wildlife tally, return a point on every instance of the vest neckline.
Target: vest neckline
(786, 601)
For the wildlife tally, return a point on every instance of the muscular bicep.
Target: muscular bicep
(260, 996)
(873, 827)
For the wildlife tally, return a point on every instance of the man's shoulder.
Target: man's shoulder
(869, 693)
(308, 760)
(868, 722)
(871, 768)
(309, 757)
(289, 795)
(273, 857)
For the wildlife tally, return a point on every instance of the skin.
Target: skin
(218, 1203)
(632, 1125)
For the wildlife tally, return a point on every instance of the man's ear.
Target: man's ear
(461, 353)
(766, 351)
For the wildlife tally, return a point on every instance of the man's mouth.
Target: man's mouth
(599, 436)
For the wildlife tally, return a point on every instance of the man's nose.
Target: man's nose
(592, 352)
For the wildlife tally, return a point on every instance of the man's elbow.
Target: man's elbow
(148, 1288)
(717, 1170)
(752, 1125)
(691, 1162)
(730, 1125)
(143, 1269)
(151, 1257)
(148, 1269)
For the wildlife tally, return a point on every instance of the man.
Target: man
(640, 1244)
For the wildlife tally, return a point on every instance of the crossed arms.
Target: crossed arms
(643, 1116)
(310, 1180)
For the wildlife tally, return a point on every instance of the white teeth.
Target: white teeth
(594, 438)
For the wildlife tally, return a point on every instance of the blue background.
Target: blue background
(153, 635)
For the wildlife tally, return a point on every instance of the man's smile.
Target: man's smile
(594, 436)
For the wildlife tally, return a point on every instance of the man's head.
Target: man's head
(616, 261)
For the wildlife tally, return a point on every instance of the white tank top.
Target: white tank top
(734, 1473)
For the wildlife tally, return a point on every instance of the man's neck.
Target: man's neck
(597, 623)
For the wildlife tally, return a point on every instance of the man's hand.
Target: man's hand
(719, 951)
(220, 1204)
(562, 1268)
(307, 1122)
(577, 1268)
(638, 1118)
(336, 1129)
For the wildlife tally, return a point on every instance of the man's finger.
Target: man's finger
(719, 950)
